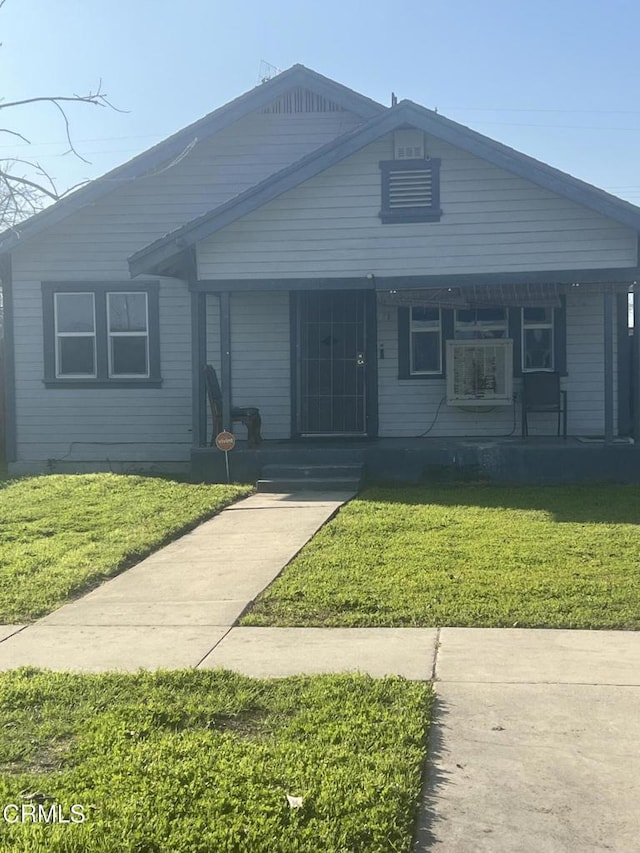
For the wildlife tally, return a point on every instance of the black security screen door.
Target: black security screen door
(332, 369)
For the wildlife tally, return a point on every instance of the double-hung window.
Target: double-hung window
(128, 326)
(101, 334)
(537, 339)
(425, 329)
(75, 335)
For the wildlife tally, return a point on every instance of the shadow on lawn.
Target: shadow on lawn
(589, 504)
(434, 779)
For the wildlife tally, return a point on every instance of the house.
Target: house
(351, 269)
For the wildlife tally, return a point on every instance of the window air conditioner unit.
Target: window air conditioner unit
(480, 372)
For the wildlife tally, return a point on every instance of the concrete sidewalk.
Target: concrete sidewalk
(535, 743)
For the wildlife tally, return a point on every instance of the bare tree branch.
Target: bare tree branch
(11, 180)
(15, 133)
(22, 196)
(25, 185)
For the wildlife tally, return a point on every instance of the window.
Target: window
(426, 340)
(537, 339)
(480, 323)
(421, 335)
(410, 191)
(75, 332)
(538, 334)
(128, 334)
(101, 334)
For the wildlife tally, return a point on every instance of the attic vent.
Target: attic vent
(410, 190)
(301, 100)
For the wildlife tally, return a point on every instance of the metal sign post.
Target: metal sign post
(226, 441)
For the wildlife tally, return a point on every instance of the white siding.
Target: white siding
(492, 222)
(260, 357)
(410, 407)
(149, 425)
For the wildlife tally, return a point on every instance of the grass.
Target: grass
(472, 555)
(60, 535)
(196, 762)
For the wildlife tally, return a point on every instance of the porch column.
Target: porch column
(635, 370)
(198, 361)
(608, 365)
(225, 357)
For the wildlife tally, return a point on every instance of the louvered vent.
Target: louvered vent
(480, 373)
(301, 100)
(410, 188)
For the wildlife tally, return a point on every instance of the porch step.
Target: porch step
(294, 478)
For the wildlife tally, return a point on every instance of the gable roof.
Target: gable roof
(155, 257)
(173, 146)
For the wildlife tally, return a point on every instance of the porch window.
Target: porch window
(101, 335)
(426, 341)
(75, 335)
(480, 323)
(537, 339)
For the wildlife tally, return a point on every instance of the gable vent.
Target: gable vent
(301, 100)
(410, 188)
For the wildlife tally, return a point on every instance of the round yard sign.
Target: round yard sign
(225, 441)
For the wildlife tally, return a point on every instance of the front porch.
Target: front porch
(543, 460)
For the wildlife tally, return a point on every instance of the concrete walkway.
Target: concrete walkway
(172, 609)
(534, 746)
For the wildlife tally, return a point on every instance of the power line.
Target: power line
(537, 110)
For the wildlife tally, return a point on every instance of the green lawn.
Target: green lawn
(197, 762)
(471, 555)
(62, 534)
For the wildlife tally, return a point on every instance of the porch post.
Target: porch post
(198, 361)
(608, 365)
(225, 357)
(635, 369)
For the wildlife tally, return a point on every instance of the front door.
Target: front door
(332, 368)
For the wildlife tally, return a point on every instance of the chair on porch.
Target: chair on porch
(249, 415)
(541, 393)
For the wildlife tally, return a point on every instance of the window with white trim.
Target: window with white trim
(75, 335)
(101, 334)
(537, 338)
(128, 332)
(425, 333)
(480, 323)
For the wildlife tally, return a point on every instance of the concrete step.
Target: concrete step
(299, 471)
(297, 454)
(298, 484)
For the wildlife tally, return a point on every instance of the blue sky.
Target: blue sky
(556, 80)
